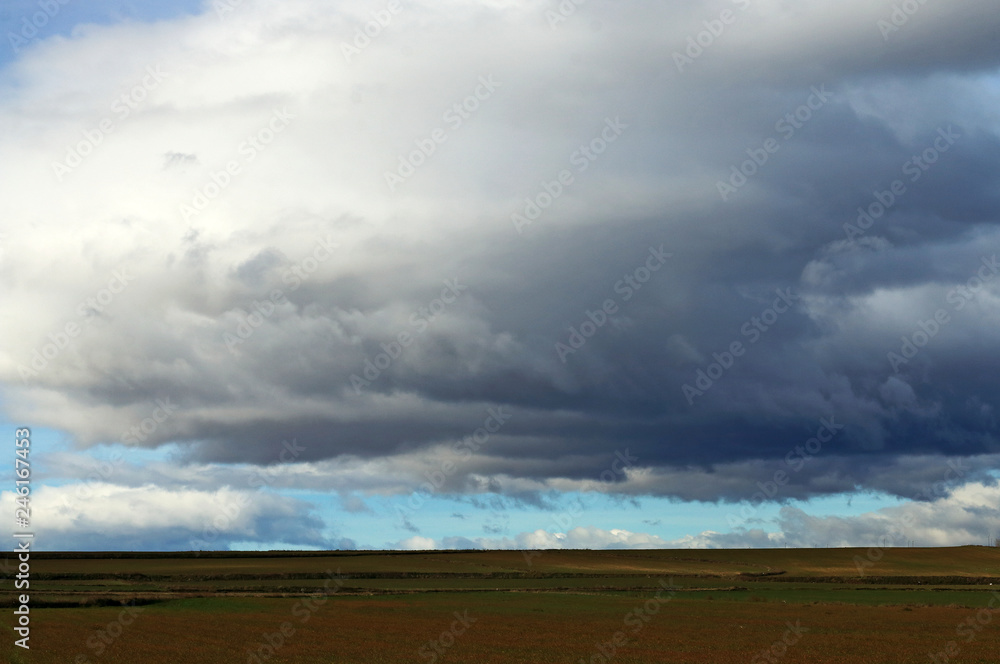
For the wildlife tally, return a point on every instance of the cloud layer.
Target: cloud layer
(967, 517)
(232, 230)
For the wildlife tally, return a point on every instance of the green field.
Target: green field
(506, 606)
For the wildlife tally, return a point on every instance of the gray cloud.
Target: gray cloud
(86, 517)
(968, 517)
(310, 214)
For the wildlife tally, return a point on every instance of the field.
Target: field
(717, 606)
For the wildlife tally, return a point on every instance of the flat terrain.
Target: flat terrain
(718, 606)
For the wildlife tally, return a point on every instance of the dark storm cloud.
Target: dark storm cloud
(816, 307)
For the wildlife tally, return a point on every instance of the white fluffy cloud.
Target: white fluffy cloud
(960, 519)
(97, 515)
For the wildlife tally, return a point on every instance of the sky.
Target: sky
(323, 274)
